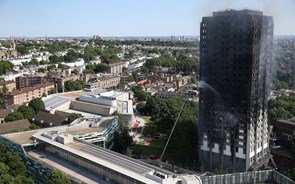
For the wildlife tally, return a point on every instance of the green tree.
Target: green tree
(181, 149)
(15, 163)
(121, 141)
(41, 70)
(52, 91)
(109, 56)
(4, 89)
(3, 168)
(26, 111)
(50, 67)
(22, 50)
(71, 56)
(54, 59)
(283, 75)
(73, 116)
(33, 127)
(5, 66)
(6, 179)
(99, 68)
(282, 107)
(34, 61)
(58, 177)
(37, 105)
(23, 180)
(88, 71)
(13, 116)
(187, 65)
(12, 168)
(139, 93)
(277, 84)
(71, 85)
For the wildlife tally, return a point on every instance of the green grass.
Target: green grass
(158, 143)
(149, 150)
(147, 119)
(154, 148)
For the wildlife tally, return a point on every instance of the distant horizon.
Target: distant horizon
(164, 36)
(134, 18)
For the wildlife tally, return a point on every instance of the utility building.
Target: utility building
(235, 57)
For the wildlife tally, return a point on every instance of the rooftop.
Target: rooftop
(6, 82)
(72, 95)
(54, 101)
(232, 12)
(24, 90)
(21, 137)
(47, 119)
(19, 124)
(84, 114)
(120, 163)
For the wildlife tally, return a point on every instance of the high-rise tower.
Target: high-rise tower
(235, 57)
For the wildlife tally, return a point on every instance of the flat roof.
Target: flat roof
(25, 137)
(101, 127)
(113, 158)
(84, 114)
(117, 162)
(112, 93)
(72, 95)
(85, 130)
(18, 124)
(66, 167)
(21, 137)
(55, 101)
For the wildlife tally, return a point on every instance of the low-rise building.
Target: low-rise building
(45, 119)
(181, 81)
(116, 67)
(9, 84)
(284, 132)
(12, 126)
(45, 149)
(5, 111)
(105, 82)
(27, 94)
(7, 54)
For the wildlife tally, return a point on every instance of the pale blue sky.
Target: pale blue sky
(127, 17)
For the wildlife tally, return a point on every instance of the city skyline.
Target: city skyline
(127, 18)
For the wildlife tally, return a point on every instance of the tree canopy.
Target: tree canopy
(73, 116)
(37, 105)
(58, 177)
(182, 63)
(181, 149)
(5, 66)
(139, 93)
(26, 111)
(72, 85)
(282, 107)
(12, 168)
(13, 116)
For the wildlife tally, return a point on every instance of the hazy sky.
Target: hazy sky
(127, 17)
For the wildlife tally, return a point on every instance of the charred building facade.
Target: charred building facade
(236, 51)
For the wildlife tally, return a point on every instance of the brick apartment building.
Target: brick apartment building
(115, 67)
(9, 84)
(108, 82)
(28, 81)
(27, 94)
